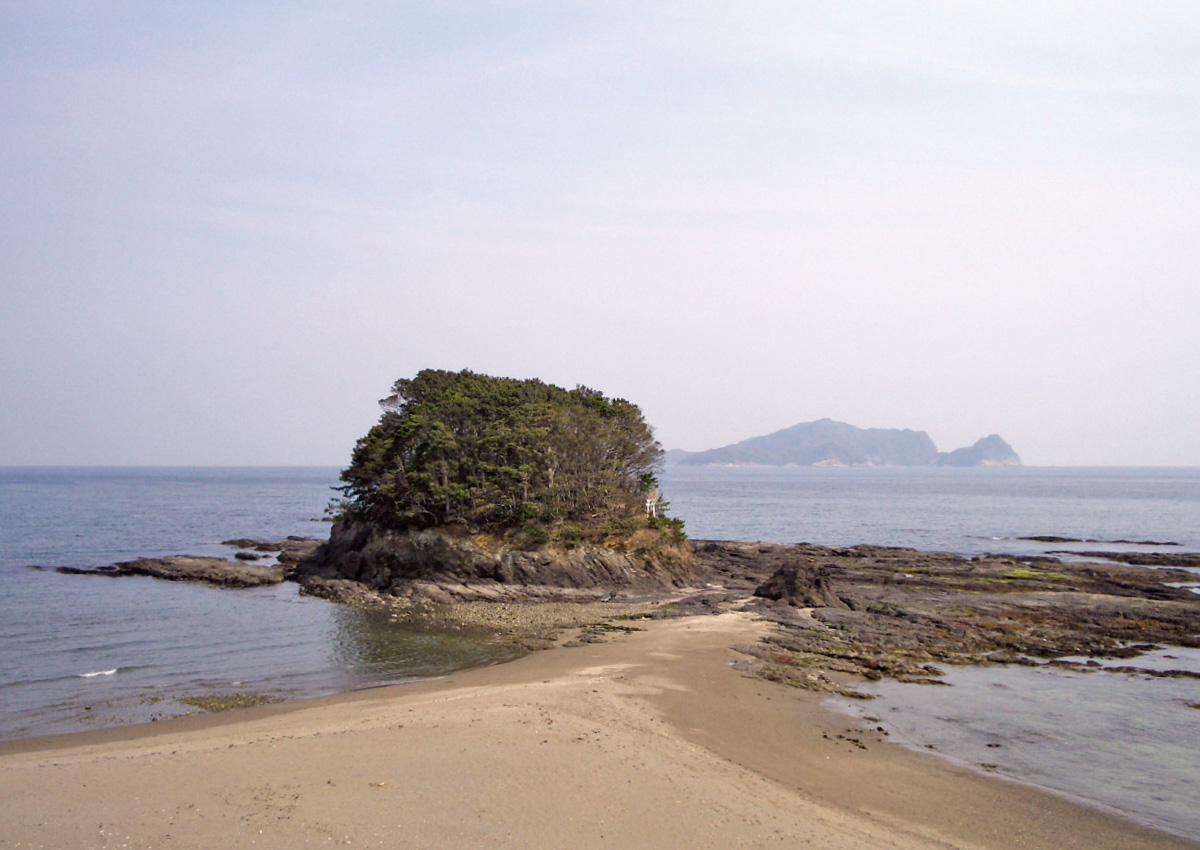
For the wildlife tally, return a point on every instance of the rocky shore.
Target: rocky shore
(840, 615)
(872, 612)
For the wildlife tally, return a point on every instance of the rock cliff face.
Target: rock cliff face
(444, 567)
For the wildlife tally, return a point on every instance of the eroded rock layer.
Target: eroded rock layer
(442, 566)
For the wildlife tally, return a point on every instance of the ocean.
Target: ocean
(88, 652)
(83, 652)
(964, 511)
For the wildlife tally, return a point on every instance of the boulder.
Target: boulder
(801, 584)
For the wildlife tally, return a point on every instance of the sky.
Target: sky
(227, 228)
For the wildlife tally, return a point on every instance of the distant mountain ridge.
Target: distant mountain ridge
(829, 443)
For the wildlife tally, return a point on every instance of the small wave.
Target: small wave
(98, 673)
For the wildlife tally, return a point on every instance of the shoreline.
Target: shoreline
(648, 739)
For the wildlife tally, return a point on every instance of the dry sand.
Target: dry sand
(650, 740)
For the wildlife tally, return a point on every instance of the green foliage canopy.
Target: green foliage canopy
(494, 454)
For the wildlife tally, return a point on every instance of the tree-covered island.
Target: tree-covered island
(470, 480)
(505, 456)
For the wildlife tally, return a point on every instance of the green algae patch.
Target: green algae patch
(228, 702)
(1030, 573)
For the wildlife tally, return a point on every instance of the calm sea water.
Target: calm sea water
(80, 652)
(964, 511)
(84, 652)
(1126, 743)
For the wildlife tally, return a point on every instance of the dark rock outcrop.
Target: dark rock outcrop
(443, 567)
(214, 571)
(802, 584)
(292, 550)
(219, 572)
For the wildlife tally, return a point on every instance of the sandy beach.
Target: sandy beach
(648, 740)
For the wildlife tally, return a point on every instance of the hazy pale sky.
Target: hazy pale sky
(226, 229)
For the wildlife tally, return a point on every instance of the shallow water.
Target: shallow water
(176, 641)
(1125, 742)
(86, 652)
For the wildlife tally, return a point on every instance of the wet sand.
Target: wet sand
(648, 740)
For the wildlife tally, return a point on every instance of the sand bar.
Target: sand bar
(650, 740)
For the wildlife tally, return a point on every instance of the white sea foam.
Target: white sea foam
(98, 673)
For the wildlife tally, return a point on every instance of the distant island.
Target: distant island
(829, 443)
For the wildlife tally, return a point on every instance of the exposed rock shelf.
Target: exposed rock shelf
(874, 611)
(220, 572)
(215, 571)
